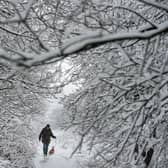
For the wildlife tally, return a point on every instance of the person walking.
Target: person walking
(45, 135)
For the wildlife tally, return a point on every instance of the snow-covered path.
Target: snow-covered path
(56, 162)
(64, 144)
(61, 157)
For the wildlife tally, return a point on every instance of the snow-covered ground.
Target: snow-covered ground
(64, 144)
(4, 163)
(60, 159)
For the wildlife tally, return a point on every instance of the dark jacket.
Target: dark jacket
(45, 135)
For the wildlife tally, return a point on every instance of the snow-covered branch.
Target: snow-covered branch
(83, 43)
(155, 4)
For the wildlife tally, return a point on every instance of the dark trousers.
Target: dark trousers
(45, 148)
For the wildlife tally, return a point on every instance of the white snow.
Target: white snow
(64, 144)
(60, 159)
(3, 163)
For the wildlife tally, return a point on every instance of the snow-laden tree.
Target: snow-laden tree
(120, 110)
(22, 97)
(119, 55)
(53, 30)
(22, 91)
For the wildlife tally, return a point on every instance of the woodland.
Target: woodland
(114, 52)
